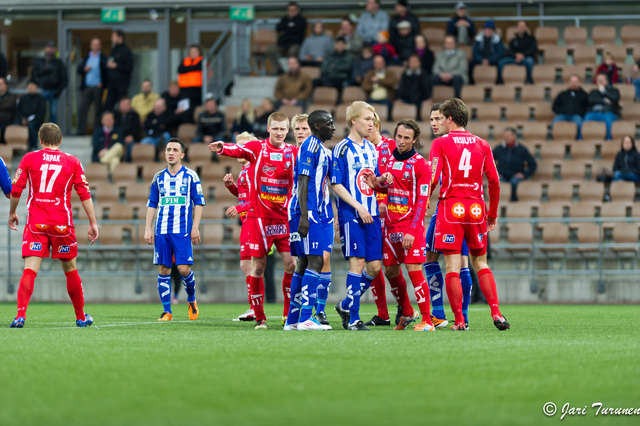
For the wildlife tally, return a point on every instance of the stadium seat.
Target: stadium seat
(441, 93)
(589, 236)
(584, 209)
(591, 191)
(583, 150)
(622, 191)
(290, 110)
(106, 192)
(552, 151)
(487, 112)
(574, 170)
(141, 153)
(92, 171)
(546, 36)
(505, 93)
(544, 74)
(584, 55)
(485, 74)
(529, 191)
(625, 238)
(630, 34)
(212, 233)
(149, 170)
(619, 53)
(609, 150)
(403, 111)
(554, 55)
(261, 40)
(325, 95)
(520, 237)
(535, 130)
(627, 93)
(574, 36)
(111, 235)
(561, 191)
(533, 92)
(6, 153)
(516, 111)
(435, 36)
(546, 171)
(603, 34)
(312, 72)
(474, 94)
(569, 70)
(17, 137)
(382, 111)
(480, 129)
(553, 209)
(514, 74)
(542, 111)
(197, 153)
(187, 132)
(199, 109)
(397, 71)
(137, 192)
(212, 210)
(520, 209)
(353, 93)
(620, 129)
(564, 130)
(120, 211)
(617, 209)
(594, 131)
(555, 237)
(230, 113)
(125, 173)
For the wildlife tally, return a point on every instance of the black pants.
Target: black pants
(116, 91)
(90, 95)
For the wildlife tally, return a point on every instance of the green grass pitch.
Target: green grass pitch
(128, 369)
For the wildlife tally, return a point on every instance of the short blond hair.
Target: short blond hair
(277, 116)
(376, 121)
(355, 110)
(246, 137)
(299, 118)
(50, 134)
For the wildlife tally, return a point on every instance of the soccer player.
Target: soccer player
(176, 194)
(360, 228)
(407, 174)
(271, 177)
(242, 192)
(5, 179)
(463, 159)
(311, 221)
(432, 266)
(51, 173)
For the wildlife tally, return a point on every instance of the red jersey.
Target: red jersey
(270, 175)
(242, 192)
(51, 173)
(408, 194)
(385, 150)
(464, 159)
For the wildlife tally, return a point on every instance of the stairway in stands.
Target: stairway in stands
(253, 88)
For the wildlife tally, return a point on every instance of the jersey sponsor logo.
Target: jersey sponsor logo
(18, 173)
(271, 230)
(357, 166)
(199, 189)
(268, 170)
(434, 166)
(393, 199)
(397, 165)
(35, 246)
(294, 237)
(385, 256)
(273, 189)
(64, 249)
(409, 166)
(458, 210)
(448, 238)
(278, 199)
(276, 156)
(287, 155)
(396, 237)
(361, 182)
(480, 237)
(424, 190)
(416, 252)
(476, 211)
(173, 201)
(396, 208)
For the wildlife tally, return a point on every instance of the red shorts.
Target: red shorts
(264, 233)
(36, 240)
(244, 243)
(394, 254)
(458, 219)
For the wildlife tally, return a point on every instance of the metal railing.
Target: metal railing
(220, 63)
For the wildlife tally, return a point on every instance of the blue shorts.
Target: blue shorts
(431, 235)
(169, 245)
(318, 240)
(362, 240)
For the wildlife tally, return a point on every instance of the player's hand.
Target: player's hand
(371, 180)
(428, 206)
(383, 209)
(407, 241)
(232, 212)
(216, 146)
(388, 177)
(94, 233)
(365, 216)
(491, 223)
(13, 221)
(148, 236)
(195, 236)
(303, 226)
(228, 179)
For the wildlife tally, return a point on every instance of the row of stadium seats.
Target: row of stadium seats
(563, 208)
(570, 191)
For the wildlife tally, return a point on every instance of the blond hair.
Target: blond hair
(245, 137)
(298, 118)
(355, 110)
(250, 116)
(376, 121)
(277, 116)
(50, 134)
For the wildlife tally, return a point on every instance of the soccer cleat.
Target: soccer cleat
(193, 310)
(501, 323)
(358, 326)
(88, 320)
(439, 323)
(344, 315)
(260, 325)
(376, 320)
(17, 323)
(424, 326)
(312, 324)
(248, 315)
(466, 325)
(398, 314)
(321, 317)
(284, 321)
(166, 316)
(289, 327)
(458, 327)
(405, 321)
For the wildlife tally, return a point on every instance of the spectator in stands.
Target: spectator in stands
(244, 119)
(260, 125)
(627, 163)
(636, 81)
(129, 121)
(120, 67)
(513, 161)
(158, 124)
(316, 47)
(294, 87)
(351, 38)
(337, 68)
(415, 84)
(143, 103)
(372, 21)
(7, 107)
(190, 78)
(107, 142)
(93, 79)
(402, 14)
(51, 75)
(178, 105)
(385, 49)
(30, 112)
(362, 66)
(424, 53)
(379, 83)
(488, 48)
(522, 51)
(451, 66)
(460, 26)
(405, 43)
(212, 125)
(3, 66)
(291, 30)
(604, 103)
(571, 105)
(608, 67)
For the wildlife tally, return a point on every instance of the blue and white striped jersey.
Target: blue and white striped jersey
(313, 160)
(174, 197)
(350, 160)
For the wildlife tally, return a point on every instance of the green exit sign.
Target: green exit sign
(112, 14)
(242, 12)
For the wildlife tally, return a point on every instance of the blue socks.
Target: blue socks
(296, 299)
(324, 283)
(435, 281)
(352, 302)
(365, 282)
(308, 293)
(467, 284)
(189, 283)
(164, 290)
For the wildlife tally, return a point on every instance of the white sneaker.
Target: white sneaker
(312, 324)
(289, 327)
(249, 315)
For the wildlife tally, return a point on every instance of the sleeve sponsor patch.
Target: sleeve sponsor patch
(424, 190)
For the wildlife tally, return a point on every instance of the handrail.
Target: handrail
(221, 61)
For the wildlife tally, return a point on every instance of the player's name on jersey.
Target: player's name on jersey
(51, 157)
(173, 201)
(465, 140)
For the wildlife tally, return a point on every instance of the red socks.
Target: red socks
(399, 290)
(74, 288)
(417, 279)
(454, 292)
(257, 297)
(380, 296)
(286, 292)
(25, 290)
(488, 287)
(246, 280)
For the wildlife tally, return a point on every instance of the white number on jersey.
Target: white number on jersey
(44, 187)
(465, 162)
